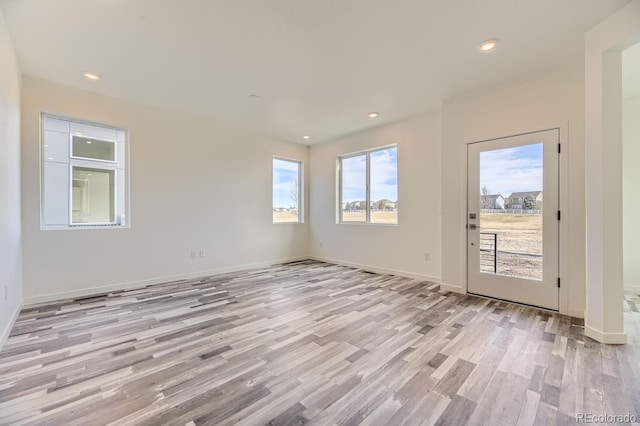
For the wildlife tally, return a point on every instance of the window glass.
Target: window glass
(286, 191)
(92, 195)
(384, 186)
(93, 148)
(369, 187)
(354, 189)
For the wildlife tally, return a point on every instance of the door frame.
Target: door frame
(564, 261)
(604, 44)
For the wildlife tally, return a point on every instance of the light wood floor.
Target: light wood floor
(309, 342)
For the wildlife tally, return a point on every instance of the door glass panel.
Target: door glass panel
(92, 197)
(511, 200)
(354, 189)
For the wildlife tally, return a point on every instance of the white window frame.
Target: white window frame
(367, 153)
(121, 213)
(300, 190)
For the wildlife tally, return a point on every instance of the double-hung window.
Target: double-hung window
(83, 174)
(368, 186)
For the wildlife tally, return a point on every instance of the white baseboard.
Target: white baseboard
(607, 338)
(632, 288)
(7, 328)
(378, 270)
(52, 297)
(452, 288)
(576, 313)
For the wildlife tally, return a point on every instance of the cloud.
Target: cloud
(383, 176)
(509, 170)
(285, 177)
(284, 165)
(354, 178)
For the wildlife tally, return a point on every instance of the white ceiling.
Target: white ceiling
(631, 71)
(319, 66)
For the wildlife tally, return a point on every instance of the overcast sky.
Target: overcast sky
(510, 170)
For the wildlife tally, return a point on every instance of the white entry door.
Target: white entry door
(513, 218)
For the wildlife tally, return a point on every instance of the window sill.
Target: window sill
(82, 227)
(368, 224)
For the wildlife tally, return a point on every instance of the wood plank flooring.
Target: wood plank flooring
(309, 343)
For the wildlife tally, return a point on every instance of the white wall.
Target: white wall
(195, 185)
(399, 249)
(631, 191)
(541, 101)
(604, 43)
(10, 232)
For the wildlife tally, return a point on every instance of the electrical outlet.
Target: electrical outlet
(321, 244)
(194, 254)
(203, 253)
(427, 255)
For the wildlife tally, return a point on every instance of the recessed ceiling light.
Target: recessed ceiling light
(488, 46)
(373, 114)
(91, 76)
(89, 142)
(306, 137)
(50, 158)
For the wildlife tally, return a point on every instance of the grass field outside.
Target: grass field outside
(381, 217)
(285, 216)
(519, 243)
